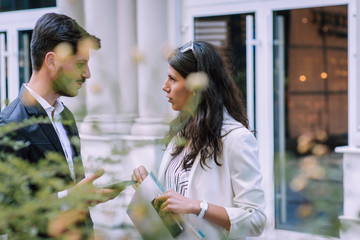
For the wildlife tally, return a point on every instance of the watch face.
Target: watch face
(203, 208)
(204, 205)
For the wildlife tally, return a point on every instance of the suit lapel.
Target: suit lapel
(52, 136)
(73, 135)
(34, 109)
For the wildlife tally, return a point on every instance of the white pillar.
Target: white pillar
(152, 70)
(350, 221)
(111, 108)
(104, 100)
(174, 20)
(128, 83)
(74, 9)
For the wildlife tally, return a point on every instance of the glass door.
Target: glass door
(310, 117)
(235, 36)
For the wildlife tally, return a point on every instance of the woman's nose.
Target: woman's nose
(165, 88)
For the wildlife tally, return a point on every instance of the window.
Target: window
(234, 35)
(12, 79)
(310, 117)
(3, 69)
(13, 5)
(25, 68)
(15, 64)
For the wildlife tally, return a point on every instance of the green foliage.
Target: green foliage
(28, 191)
(27, 199)
(10, 128)
(313, 184)
(13, 126)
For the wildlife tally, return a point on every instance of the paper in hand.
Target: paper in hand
(147, 220)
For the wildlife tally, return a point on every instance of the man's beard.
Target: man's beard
(63, 85)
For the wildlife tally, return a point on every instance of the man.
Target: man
(60, 54)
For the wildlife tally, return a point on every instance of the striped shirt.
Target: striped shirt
(176, 176)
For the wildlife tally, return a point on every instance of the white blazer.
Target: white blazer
(235, 185)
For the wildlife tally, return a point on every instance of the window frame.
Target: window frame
(12, 22)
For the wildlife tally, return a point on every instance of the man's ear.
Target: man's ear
(50, 61)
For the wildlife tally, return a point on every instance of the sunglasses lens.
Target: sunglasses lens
(187, 47)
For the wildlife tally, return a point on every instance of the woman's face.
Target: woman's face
(176, 90)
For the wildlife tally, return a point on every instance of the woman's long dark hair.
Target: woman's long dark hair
(202, 129)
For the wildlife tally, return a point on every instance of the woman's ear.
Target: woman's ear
(50, 61)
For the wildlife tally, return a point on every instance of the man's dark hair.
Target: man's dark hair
(52, 29)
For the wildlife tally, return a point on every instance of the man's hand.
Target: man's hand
(65, 225)
(88, 194)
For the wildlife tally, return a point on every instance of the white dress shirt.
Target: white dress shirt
(54, 114)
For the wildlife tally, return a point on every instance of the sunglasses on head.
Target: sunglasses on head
(190, 46)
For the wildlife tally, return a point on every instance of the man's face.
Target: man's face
(71, 74)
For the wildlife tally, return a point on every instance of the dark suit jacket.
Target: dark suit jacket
(42, 137)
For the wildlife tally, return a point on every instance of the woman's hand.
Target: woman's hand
(139, 174)
(172, 201)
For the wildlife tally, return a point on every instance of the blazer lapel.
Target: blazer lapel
(33, 108)
(195, 168)
(50, 132)
(73, 134)
(165, 162)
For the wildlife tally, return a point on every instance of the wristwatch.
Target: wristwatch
(203, 208)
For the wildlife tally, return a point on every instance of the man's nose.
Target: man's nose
(86, 73)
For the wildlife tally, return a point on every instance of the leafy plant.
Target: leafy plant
(29, 206)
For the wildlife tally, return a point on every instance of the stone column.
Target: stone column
(111, 106)
(127, 65)
(174, 20)
(152, 69)
(72, 8)
(350, 221)
(111, 86)
(75, 9)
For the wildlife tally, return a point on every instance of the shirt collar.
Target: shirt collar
(58, 106)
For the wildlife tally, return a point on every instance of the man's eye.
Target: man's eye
(80, 65)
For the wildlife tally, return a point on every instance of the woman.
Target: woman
(211, 165)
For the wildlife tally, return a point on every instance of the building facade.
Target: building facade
(296, 62)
